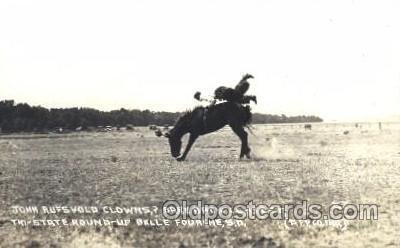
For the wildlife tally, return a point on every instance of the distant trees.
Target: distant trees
(26, 118)
(266, 118)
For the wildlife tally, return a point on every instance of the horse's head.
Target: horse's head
(181, 127)
(175, 143)
(174, 137)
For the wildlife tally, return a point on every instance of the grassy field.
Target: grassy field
(289, 165)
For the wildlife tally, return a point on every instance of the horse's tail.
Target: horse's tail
(250, 128)
(248, 115)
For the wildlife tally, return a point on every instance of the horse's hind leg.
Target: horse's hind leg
(245, 149)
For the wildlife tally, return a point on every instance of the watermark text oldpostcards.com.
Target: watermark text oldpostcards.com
(174, 209)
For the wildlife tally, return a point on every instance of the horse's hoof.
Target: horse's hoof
(180, 159)
(247, 156)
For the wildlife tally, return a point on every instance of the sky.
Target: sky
(336, 59)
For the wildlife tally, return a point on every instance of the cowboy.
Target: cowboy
(237, 94)
(231, 95)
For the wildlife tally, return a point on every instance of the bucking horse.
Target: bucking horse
(203, 120)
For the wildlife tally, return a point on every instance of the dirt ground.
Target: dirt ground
(289, 164)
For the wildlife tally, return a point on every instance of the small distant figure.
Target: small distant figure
(153, 127)
(307, 127)
(158, 132)
(346, 132)
(356, 125)
(129, 127)
(380, 126)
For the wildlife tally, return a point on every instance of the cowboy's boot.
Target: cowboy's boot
(253, 98)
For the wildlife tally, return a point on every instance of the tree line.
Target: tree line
(22, 117)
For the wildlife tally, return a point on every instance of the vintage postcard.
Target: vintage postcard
(199, 123)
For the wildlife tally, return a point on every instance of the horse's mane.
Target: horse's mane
(187, 114)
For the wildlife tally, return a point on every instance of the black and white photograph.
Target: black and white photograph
(256, 124)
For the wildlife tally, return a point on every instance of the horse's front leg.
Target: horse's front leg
(192, 139)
